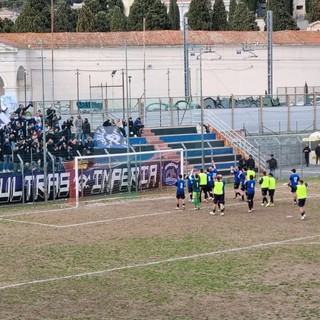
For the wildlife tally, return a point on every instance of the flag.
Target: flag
(109, 137)
(4, 119)
(8, 105)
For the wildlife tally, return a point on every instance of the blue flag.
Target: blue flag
(109, 137)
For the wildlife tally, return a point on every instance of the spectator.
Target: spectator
(78, 125)
(273, 165)
(86, 130)
(241, 162)
(107, 123)
(250, 162)
(89, 146)
(317, 152)
(7, 154)
(51, 116)
(131, 127)
(21, 111)
(119, 124)
(138, 127)
(306, 150)
(69, 124)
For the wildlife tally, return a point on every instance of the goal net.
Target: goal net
(124, 173)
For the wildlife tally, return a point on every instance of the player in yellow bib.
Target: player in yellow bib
(250, 172)
(271, 190)
(218, 195)
(302, 198)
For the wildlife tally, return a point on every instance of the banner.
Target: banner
(92, 181)
(109, 137)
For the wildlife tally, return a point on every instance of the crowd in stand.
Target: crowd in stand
(23, 136)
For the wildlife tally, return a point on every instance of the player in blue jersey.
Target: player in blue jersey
(236, 181)
(293, 182)
(180, 184)
(242, 177)
(190, 185)
(213, 170)
(250, 190)
(209, 183)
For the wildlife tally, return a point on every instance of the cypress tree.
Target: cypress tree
(282, 20)
(138, 11)
(6, 25)
(232, 8)
(174, 15)
(118, 20)
(219, 16)
(252, 5)
(86, 20)
(65, 19)
(243, 19)
(101, 22)
(116, 3)
(314, 14)
(157, 17)
(34, 17)
(199, 15)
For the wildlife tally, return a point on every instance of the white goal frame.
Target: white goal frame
(77, 160)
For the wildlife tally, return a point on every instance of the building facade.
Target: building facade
(83, 66)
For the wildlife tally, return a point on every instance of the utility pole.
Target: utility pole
(186, 58)
(270, 51)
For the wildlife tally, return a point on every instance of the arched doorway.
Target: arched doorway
(21, 85)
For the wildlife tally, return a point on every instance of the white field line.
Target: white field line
(152, 263)
(120, 218)
(61, 210)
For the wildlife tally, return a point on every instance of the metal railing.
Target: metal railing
(236, 140)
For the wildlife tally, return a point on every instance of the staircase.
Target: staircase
(158, 144)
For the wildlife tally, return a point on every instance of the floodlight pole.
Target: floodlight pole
(201, 113)
(127, 121)
(270, 51)
(45, 169)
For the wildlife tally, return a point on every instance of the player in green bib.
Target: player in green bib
(218, 195)
(271, 190)
(302, 198)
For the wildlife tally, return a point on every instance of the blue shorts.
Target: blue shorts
(180, 195)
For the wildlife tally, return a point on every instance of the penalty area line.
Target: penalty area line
(152, 263)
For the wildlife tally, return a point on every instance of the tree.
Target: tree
(116, 3)
(308, 6)
(65, 19)
(219, 16)
(96, 6)
(101, 22)
(314, 14)
(232, 8)
(252, 5)
(118, 20)
(137, 13)
(34, 17)
(174, 15)
(282, 20)
(157, 17)
(86, 20)
(243, 19)
(199, 15)
(6, 25)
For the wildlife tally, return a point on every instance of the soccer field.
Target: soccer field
(139, 258)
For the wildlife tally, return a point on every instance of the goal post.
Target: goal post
(110, 174)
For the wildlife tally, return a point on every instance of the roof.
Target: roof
(156, 38)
